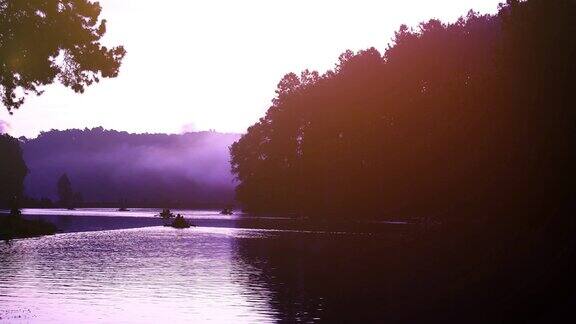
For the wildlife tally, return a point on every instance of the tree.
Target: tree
(459, 121)
(77, 198)
(166, 215)
(43, 41)
(65, 193)
(13, 170)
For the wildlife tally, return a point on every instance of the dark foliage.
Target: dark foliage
(176, 221)
(455, 120)
(14, 226)
(180, 222)
(65, 193)
(37, 203)
(13, 170)
(228, 210)
(43, 41)
(166, 214)
(470, 124)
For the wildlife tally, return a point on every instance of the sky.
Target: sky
(215, 64)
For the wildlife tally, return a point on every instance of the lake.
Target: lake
(133, 212)
(225, 275)
(99, 219)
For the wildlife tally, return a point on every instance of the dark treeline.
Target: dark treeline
(468, 123)
(106, 168)
(12, 171)
(455, 120)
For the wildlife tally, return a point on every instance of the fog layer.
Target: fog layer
(107, 166)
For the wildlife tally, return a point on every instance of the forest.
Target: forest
(106, 167)
(466, 130)
(454, 122)
(13, 170)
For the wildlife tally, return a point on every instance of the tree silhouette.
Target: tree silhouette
(13, 170)
(92, 155)
(77, 198)
(470, 123)
(65, 193)
(42, 41)
(460, 121)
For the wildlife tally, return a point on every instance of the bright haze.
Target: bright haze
(201, 65)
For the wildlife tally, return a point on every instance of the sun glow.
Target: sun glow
(199, 65)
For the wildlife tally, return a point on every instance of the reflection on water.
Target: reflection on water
(135, 212)
(132, 275)
(203, 274)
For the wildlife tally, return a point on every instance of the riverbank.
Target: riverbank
(77, 223)
(15, 227)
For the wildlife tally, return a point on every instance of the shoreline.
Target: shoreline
(90, 223)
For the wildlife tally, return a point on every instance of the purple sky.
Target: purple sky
(200, 65)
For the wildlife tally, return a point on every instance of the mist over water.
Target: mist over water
(106, 166)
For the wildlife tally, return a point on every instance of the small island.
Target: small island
(227, 211)
(176, 221)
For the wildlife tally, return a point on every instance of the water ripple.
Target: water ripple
(151, 275)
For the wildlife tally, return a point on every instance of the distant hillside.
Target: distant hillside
(146, 169)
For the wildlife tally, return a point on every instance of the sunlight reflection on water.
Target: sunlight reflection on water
(150, 274)
(137, 212)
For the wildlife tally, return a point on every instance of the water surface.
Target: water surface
(135, 212)
(158, 274)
